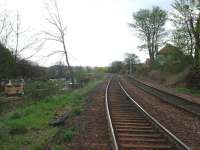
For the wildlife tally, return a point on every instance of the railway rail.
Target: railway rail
(131, 127)
(167, 97)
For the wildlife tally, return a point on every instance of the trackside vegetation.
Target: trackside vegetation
(27, 126)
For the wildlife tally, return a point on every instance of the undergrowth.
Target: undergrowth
(28, 127)
(194, 92)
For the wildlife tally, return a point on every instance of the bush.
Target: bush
(41, 89)
(156, 76)
(171, 60)
(141, 69)
(16, 115)
(18, 129)
(194, 92)
(3, 134)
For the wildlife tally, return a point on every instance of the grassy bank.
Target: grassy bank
(194, 92)
(27, 127)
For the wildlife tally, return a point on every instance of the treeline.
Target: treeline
(185, 36)
(128, 65)
(182, 53)
(15, 41)
(21, 68)
(30, 70)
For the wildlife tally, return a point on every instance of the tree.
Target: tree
(183, 40)
(182, 36)
(149, 24)
(130, 60)
(191, 9)
(6, 62)
(54, 19)
(116, 67)
(195, 27)
(29, 69)
(5, 28)
(21, 43)
(57, 71)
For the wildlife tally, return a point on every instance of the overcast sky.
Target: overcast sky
(98, 31)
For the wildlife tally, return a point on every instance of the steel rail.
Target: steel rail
(183, 145)
(115, 144)
(175, 100)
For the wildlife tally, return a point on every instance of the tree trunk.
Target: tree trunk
(156, 45)
(197, 47)
(151, 54)
(195, 30)
(68, 65)
(197, 56)
(191, 40)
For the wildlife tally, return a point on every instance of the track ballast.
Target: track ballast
(131, 127)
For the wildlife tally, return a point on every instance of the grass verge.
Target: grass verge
(193, 92)
(26, 128)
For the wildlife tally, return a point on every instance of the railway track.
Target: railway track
(167, 97)
(131, 127)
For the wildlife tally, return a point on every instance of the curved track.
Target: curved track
(131, 127)
(167, 97)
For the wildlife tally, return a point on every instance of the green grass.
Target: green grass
(69, 134)
(194, 92)
(27, 127)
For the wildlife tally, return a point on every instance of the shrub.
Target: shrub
(3, 134)
(41, 89)
(19, 129)
(16, 115)
(171, 59)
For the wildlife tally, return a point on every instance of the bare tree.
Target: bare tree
(21, 43)
(5, 28)
(54, 19)
(20, 46)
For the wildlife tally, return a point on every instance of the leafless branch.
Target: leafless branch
(38, 49)
(3, 25)
(27, 46)
(54, 19)
(53, 53)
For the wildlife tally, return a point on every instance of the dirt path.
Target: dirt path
(93, 125)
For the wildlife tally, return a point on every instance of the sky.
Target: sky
(97, 30)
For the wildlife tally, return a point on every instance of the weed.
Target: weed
(3, 134)
(76, 111)
(38, 147)
(16, 115)
(40, 89)
(18, 129)
(194, 92)
(69, 133)
(57, 147)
